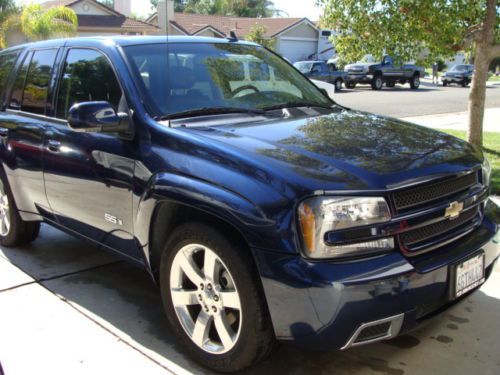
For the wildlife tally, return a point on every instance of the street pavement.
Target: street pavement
(69, 308)
(401, 101)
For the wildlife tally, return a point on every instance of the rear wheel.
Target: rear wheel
(377, 82)
(465, 82)
(13, 230)
(213, 300)
(415, 82)
(338, 85)
(445, 83)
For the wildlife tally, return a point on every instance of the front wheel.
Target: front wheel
(415, 82)
(14, 231)
(377, 83)
(338, 85)
(213, 299)
(445, 83)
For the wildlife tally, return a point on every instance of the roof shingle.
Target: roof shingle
(192, 23)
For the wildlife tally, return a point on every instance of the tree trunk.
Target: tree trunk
(477, 95)
(485, 51)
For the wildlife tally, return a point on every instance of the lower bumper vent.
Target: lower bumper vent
(375, 331)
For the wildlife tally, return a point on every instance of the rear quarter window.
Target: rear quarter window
(7, 62)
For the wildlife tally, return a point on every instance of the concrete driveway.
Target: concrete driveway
(67, 308)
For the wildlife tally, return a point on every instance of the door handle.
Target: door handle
(53, 145)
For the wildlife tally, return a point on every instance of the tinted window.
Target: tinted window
(17, 91)
(37, 81)
(258, 71)
(227, 69)
(87, 76)
(6, 64)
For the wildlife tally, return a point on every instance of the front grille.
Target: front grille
(419, 196)
(417, 237)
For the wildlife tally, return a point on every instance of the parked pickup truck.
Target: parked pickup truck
(321, 71)
(262, 209)
(376, 74)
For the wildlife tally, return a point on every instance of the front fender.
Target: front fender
(258, 229)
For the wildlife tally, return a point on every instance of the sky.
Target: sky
(294, 8)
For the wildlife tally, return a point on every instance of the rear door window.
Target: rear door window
(32, 82)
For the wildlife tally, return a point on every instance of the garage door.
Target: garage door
(297, 50)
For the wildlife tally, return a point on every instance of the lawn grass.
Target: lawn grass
(491, 149)
(494, 78)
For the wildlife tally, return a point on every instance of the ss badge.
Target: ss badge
(112, 219)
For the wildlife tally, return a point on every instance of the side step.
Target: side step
(377, 330)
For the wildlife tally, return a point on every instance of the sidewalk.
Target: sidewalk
(458, 120)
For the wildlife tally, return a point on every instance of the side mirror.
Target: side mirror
(97, 117)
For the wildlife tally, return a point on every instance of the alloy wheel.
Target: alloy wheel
(4, 212)
(205, 299)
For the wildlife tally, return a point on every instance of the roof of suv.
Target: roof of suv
(121, 40)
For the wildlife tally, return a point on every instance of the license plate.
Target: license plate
(469, 275)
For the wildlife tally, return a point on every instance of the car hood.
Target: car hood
(359, 65)
(345, 150)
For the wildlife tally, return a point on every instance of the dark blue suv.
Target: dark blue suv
(263, 209)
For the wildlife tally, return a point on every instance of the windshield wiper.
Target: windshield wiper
(209, 111)
(298, 104)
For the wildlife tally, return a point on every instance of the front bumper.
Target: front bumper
(451, 79)
(323, 304)
(359, 78)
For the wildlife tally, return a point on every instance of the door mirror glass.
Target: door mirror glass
(97, 117)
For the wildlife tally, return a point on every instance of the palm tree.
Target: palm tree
(40, 24)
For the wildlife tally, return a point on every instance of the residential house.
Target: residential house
(295, 38)
(95, 18)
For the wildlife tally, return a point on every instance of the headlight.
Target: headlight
(486, 172)
(321, 215)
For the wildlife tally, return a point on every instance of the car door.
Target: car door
(89, 176)
(22, 130)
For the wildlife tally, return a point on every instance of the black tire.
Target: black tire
(390, 84)
(350, 85)
(445, 83)
(465, 83)
(377, 82)
(415, 81)
(20, 232)
(338, 85)
(256, 338)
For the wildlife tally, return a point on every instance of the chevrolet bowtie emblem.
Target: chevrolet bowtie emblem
(454, 209)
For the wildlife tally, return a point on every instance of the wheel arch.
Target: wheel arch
(172, 200)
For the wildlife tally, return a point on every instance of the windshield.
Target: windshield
(459, 68)
(303, 66)
(220, 75)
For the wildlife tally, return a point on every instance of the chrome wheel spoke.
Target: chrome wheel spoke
(230, 299)
(210, 265)
(190, 269)
(201, 329)
(184, 297)
(224, 330)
